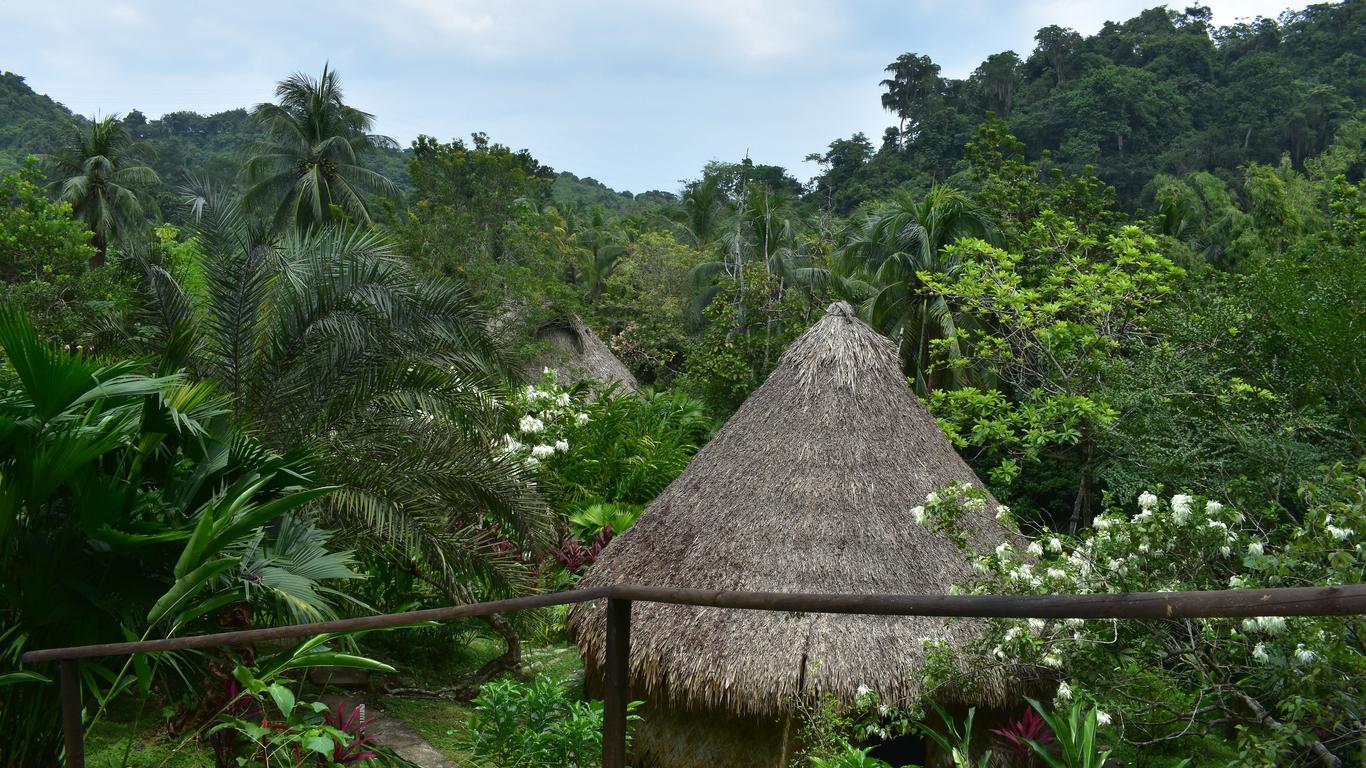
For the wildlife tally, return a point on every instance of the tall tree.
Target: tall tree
(313, 157)
(999, 76)
(1057, 45)
(100, 174)
(890, 250)
(325, 336)
(913, 90)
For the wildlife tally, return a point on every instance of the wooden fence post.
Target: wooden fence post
(616, 683)
(71, 714)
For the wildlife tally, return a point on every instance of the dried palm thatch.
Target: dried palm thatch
(577, 355)
(808, 488)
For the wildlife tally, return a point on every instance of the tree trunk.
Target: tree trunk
(1081, 506)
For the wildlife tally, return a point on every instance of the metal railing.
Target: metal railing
(1239, 603)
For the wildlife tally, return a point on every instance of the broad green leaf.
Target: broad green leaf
(330, 659)
(193, 552)
(283, 697)
(187, 586)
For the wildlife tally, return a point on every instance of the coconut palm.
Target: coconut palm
(600, 251)
(325, 336)
(888, 250)
(100, 174)
(312, 158)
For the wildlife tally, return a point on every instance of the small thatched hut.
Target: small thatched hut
(807, 488)
(577, 355)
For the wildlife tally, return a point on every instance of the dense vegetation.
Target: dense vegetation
(264, 366)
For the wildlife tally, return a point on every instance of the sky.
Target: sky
(638, 94)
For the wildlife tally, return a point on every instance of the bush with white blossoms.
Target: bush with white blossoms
(548, 414)
(621, 449)
(1292, 687)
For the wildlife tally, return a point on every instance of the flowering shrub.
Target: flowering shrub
(621, 449)
(1287, 683)
(263, 724)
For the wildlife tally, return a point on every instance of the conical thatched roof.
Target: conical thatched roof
(808, 488)
(577, 355)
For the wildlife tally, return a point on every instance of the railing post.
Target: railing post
(71, 714)
(616, 683)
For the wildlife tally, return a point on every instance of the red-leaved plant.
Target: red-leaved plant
(1013, 740)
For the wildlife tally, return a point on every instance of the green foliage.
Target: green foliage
(955, 740)
(131, 508)
(44, 265)
(851, 757)
(621, 449)
(1286, 683)
(100, 173)
(314, 157)
(1074, 736)
(327, 337)
(536, 725)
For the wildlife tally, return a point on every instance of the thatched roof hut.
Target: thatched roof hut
(577, 355)
(807, 488)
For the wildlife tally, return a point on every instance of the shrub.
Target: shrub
(535, 725)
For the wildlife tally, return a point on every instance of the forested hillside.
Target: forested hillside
(1162, 93)
(266, 367)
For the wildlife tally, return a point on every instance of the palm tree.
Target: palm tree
(888, 250)
(325, 336)
(311, 160)
(600, 251)
(99, 173)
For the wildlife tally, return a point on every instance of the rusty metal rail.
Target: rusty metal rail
(1237, 603)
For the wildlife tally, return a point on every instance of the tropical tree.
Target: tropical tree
(131, 507)
(885, 256)
(313, 157)
(600, 251)
(325, 336)
(100, 174)
(912, 91)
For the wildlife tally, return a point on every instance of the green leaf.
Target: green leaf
(13, 678)
(283, 697)
(186, 587)
(330, 659)
(194, 548)
(320, 744)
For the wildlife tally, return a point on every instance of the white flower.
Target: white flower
(1102, 717)
(531, 425)
(543, 451)
(1037, 626)
(1035, 549)
(1213, 507)
(1064, 692)
(562, 398)
(1102, 523)
(1181, 508)
(1255, 549)
(918, 515)
(1146, 501)
(1216, 524)
(1054, 544)
(977, 505)
(1272, 625)
(1052, 660)
(561, 445)
(1341, 534)
(1011, 634)
(547, 371)
(532, 461)
(863, 690)
(1259, 653)
(932, 497)
(510, 444)
(1226, 551)
(1003, 549)
(1304, 655)
(580, 419)
(1074, 623)
(1056, 573)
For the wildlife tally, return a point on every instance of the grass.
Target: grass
(146, 746)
